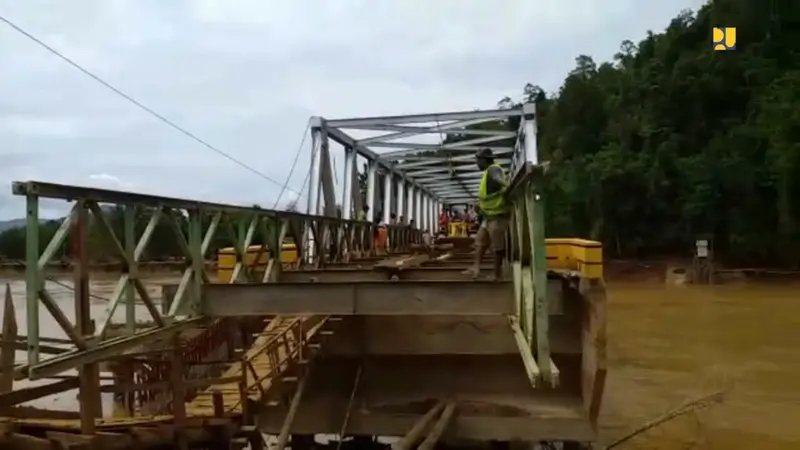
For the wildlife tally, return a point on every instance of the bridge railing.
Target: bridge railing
(131, 228)
(533, 257)
(528, 257)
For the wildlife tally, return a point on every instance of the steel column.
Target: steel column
(421, 209)
(434, 217)
(314, 178)
(418, 208)
(314, 188)
(401, 188)
(412, 197)
(372, 176)
(33, 276)
(387, 197)
(347, 183)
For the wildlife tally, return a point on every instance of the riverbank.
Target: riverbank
(664, 270)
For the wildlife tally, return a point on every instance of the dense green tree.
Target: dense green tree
(673, 141)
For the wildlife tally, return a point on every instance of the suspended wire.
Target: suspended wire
(139, 104)
(308, 176)
(294, 165)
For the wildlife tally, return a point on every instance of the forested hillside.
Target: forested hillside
(672, 141)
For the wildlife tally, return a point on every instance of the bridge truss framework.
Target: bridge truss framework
(418, 177)
(197, 314)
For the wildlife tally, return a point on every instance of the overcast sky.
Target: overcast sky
(246, 75)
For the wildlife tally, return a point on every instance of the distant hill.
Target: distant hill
(13, 223)
(17, 223)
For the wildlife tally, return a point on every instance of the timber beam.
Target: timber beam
(106, 349)
(467, 427)
(349, 275)
(451, 298)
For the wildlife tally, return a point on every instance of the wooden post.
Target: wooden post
(219, 405)
(129, 371)
(438, 429)
(8, 350)
(413, 435)
(167, 296)
(286, 428)
(178, 392)
(243, 399)
(89, 393)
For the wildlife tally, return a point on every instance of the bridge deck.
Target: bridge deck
(408, 357)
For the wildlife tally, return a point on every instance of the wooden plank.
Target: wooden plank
(355, 275)
(19, 396)
(189, 383)
(531, 367)
(403, 262)
(314, 419)
(423, 335)
(45, 349)
(19, 441)
(594, 364)
(368, 298)
(415, 433)
(439, 427)
(70, 440)
(440, 335)
(105, 441)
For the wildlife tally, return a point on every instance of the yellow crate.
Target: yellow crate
(226, 259)
(458, 229)
(576, 254)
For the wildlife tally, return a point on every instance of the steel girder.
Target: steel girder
(421, 175)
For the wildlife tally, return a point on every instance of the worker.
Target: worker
(444, 220)
(362, 215)
(496, 214)
(427, 238)
(381, 239)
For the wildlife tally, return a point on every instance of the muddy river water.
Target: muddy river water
(667, 345)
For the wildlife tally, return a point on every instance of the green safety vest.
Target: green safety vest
(494, 204)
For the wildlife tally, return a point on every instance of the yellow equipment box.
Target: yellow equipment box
(226, 259)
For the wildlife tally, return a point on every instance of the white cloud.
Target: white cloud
(105, 180)
(246, 75)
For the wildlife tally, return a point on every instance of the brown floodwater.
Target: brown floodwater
(62, 293)
(666, 345)
(670, 344)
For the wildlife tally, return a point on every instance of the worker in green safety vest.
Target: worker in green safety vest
(493, 207)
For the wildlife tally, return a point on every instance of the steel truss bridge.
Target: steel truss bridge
(349, 339)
